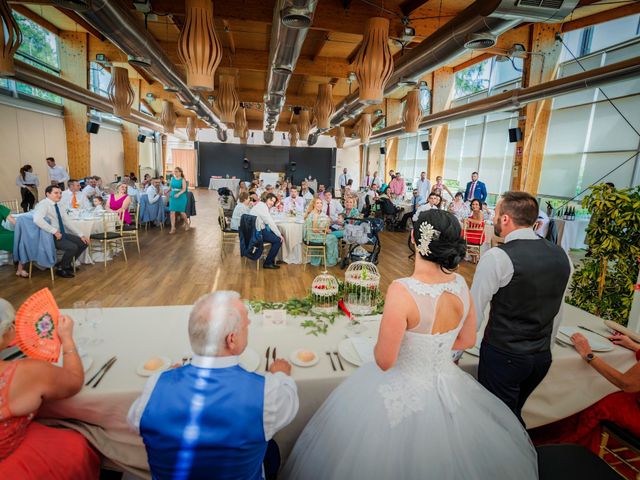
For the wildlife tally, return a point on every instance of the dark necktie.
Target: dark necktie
(328, 209)
(60, 223)
(415, 201)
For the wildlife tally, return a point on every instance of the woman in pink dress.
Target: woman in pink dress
(29, 450)
(119, 202)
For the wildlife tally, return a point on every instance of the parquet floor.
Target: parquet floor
(177, 269)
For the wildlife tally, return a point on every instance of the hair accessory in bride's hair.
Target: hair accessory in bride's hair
(427, 234)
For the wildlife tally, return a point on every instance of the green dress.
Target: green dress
(331, 241)
(177, 204)
(6, 236)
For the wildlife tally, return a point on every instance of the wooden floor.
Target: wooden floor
(177, 269)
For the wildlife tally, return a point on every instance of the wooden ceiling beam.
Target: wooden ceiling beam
(601, 17)
(300, 89)
(143, 75)
(80, 21)
(147, 105)
(409, 6)
(352, 56)
(321, 44)
(232, 43)
(34, 17)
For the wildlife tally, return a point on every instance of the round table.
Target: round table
(292, 229)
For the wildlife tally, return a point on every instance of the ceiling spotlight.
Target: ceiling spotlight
(351, 77)
(150, 96)
(406, 82)
(479, 41)
(297, 110)
(211, 98)
(378, 112)
(408, 33)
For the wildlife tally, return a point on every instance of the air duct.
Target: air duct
(118, 24)
(477, 26)
(291, 21)
(517, 98)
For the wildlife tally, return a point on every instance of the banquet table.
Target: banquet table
(572, 233)
(292, 229)
(100, 413)
(232, 184)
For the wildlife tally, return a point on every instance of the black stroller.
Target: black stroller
(361, 240)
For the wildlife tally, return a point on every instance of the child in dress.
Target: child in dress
(339, 225)
(98, 205)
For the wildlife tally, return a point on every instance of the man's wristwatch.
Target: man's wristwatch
(589, 358)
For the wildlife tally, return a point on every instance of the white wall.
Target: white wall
(349, 158)
(28, 137)
(107, 153)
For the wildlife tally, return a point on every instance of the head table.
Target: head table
(136, 334)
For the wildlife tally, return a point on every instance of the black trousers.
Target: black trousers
(512, 377)
(72, 247)
(28, 200)
(403, 221)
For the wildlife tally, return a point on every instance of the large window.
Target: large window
(99, 79)
(487, 75)
(599, 37)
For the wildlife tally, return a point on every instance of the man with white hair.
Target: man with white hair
(212, 418)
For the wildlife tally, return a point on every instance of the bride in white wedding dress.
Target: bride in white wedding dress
(413, 414)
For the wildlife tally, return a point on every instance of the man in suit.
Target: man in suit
(475, 189)
(331, 207)
(524, 280)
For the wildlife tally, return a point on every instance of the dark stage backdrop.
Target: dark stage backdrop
(227, 159)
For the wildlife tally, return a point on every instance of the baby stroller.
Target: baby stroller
(361, 240)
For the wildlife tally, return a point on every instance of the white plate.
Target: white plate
(250, 360)
(598, 344)
(87, 361)
(296, 361)
(143, 372)
(347, 351)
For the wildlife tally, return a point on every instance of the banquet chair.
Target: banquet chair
(314, 248)
(111, 235)
(620, 449)
(130, 232)
(473, 233)
(229, 237)
(13, 205)
(572, 462)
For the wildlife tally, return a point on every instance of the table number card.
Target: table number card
(274, 318)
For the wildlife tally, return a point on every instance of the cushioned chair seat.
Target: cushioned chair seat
(109, 236)
(228, 230)
(572, 462)
(314, 244)
(623, 434)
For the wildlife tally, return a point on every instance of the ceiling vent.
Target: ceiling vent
(479, 41)
(541, 3)
(296, 17)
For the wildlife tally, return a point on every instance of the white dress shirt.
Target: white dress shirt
(424, 188)
(264, 218)
(335, 208)
(495, 271)
(280, 396)
(152, 194)
(377, 181)
(297, 204)
(67, 200)
(344, 179)
(89, 191)
(241, 209)
(46, 209)
(29, 179)
(543, 218)
(58, 174)
(422, 208)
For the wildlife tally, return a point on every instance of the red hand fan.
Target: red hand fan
(36, 326)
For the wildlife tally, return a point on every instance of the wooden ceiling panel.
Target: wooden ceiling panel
(57, 18)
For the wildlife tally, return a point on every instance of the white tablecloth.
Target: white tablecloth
(572, 233)
(87, 227)
(292, 231)
(232, 184)
(136, 334)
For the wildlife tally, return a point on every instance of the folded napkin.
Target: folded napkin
(364, 348)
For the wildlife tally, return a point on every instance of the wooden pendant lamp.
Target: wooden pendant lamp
(304, 125)
(324, 105)
(374, 62)
(120, 92)
(340, 138)
(293, 135)
(240, 129)
(198, 46)
(168, 116)
(412, 112)
(10, 40)
(364, 127)
(227, 101)
(192, 130)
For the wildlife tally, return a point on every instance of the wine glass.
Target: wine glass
(80, 318)
(353, 302)
(94, 318)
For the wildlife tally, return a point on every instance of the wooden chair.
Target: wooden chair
(13, 205)
(130, 232)
(112, 229)
(620, 449)
(229, 237)
(473, 233)
(51, 269)
(316, 248)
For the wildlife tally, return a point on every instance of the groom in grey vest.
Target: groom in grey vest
(524, 280)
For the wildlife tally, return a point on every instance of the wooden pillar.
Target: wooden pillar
(539, 67)
(130, 143)
(391, 157)
(442, 82)
(74, 67)
(164, 154)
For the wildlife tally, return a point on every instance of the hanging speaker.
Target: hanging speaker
(245, 164)
(425, 145)
(142, 138)
(92, 127)
(515, 134)
(383, 150)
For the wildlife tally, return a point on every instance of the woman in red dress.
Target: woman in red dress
(29, 450)
(621, 408)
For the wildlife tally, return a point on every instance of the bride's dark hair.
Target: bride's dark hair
(449, 248)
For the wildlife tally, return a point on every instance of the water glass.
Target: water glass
(94, 318)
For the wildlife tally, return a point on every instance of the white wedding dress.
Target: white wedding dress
(422, 419)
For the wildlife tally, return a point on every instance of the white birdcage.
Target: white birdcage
(324, 290)
(361, 287)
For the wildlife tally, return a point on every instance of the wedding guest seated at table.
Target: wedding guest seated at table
(212, 418)
(294, 202)
(73, 198)
(243, 207)
(153, 191)
(330, 206)
(459, 208)
(487, 213)
(269, 229)
(416, 201)
(306, 192)
(476, 211)
(29, 450)
(67, 238)
(432, 203)
(316, 226)
(119, 202)
(321, 190)
(146, 180)
(621, 408)
(89, 189)
(98, 205)
(7, 237)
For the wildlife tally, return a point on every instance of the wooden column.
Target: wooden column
(130, 143)
(164, 140)
(74, 67)
(442, 82)
(391, 157)
(540, 67)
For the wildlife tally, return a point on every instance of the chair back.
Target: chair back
(222, 220)
(316, 236)
(473, 231)
(111, 222)
(12, 205)
(136, 215)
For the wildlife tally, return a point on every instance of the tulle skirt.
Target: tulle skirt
(453, 430)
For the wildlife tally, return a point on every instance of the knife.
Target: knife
(274, 354)
(266, 368)
(593, 331)
(105, 372)
(100, 371)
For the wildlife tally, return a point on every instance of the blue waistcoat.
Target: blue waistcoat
(205, 424)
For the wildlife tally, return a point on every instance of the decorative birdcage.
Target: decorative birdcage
(324, 290)
(361, 287)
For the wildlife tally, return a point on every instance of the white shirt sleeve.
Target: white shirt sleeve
(265, 216)
(493, 272)
(137, 407)
(19, 181)
(39, 213)
(280, 402)
(152, 195)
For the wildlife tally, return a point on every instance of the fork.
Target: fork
(339, 361)
(333, 365)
